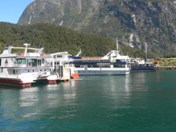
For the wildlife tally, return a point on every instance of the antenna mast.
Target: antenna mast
(146, 47)
(26, 47)
(117, 44)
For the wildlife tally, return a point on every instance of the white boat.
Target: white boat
(63, 71)
(22, 69)
(114, 65)
(111, 64)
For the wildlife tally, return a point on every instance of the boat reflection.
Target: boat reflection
(28, 97)
(119, 92)
(138, 79)
(35, 101)
(69, 89)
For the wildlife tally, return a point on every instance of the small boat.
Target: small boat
(61, 66)
(22, 69)
(138, 64)
(141, 65)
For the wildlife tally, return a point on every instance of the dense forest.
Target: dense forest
(55, 38)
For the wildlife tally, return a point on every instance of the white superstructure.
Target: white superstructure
(111, 64)
(22, 66)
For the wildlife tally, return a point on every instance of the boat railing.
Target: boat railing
(91, 58)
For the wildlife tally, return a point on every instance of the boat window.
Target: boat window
(1, 70)
(34, 62)
(0, 62)
(39, 62)
(95, 66)
(43, 61)
(119, 65)
(103, 64)
(59, 56)
(13, 71)
(6, 61)
(21, 60)
(81, 66)
(29, 62)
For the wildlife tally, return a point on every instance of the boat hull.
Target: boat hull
(142, 68)
(14, 82)
(105, 71)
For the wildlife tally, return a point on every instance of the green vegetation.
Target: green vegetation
(167, 62)
(55, 39)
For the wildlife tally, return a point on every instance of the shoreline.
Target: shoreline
(165, 67)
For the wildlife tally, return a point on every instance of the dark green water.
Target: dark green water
(139, 102)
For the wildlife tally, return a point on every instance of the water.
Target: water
(139, 102)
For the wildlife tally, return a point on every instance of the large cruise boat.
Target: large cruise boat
(22, 66)
(113, 63)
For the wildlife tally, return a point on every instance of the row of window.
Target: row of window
(103, 66)
(30, 62)
(41, 70)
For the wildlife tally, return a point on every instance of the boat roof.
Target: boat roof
(114, 54)
(61, 53)
(8, 49)
(27, 52)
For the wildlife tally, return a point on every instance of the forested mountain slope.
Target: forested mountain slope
(134, 22)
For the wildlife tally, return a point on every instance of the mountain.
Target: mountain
(134, 22)
(55, 38)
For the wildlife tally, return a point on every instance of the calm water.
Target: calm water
(136, 102)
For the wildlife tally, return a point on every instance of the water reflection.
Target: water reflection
(120, 92)
(36, 101)
(110, 92)
(102, 103)
(138, 79)
(8, 103)
(28, 97)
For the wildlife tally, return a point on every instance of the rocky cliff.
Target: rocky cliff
(134, 22)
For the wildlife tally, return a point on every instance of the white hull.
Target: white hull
(103, 71)
(15, 81)
(22, 69)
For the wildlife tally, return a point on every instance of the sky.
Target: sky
(11, 10)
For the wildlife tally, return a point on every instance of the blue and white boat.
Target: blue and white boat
(95, 66)
(141, 65)
(138, 64)
(111, 64)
